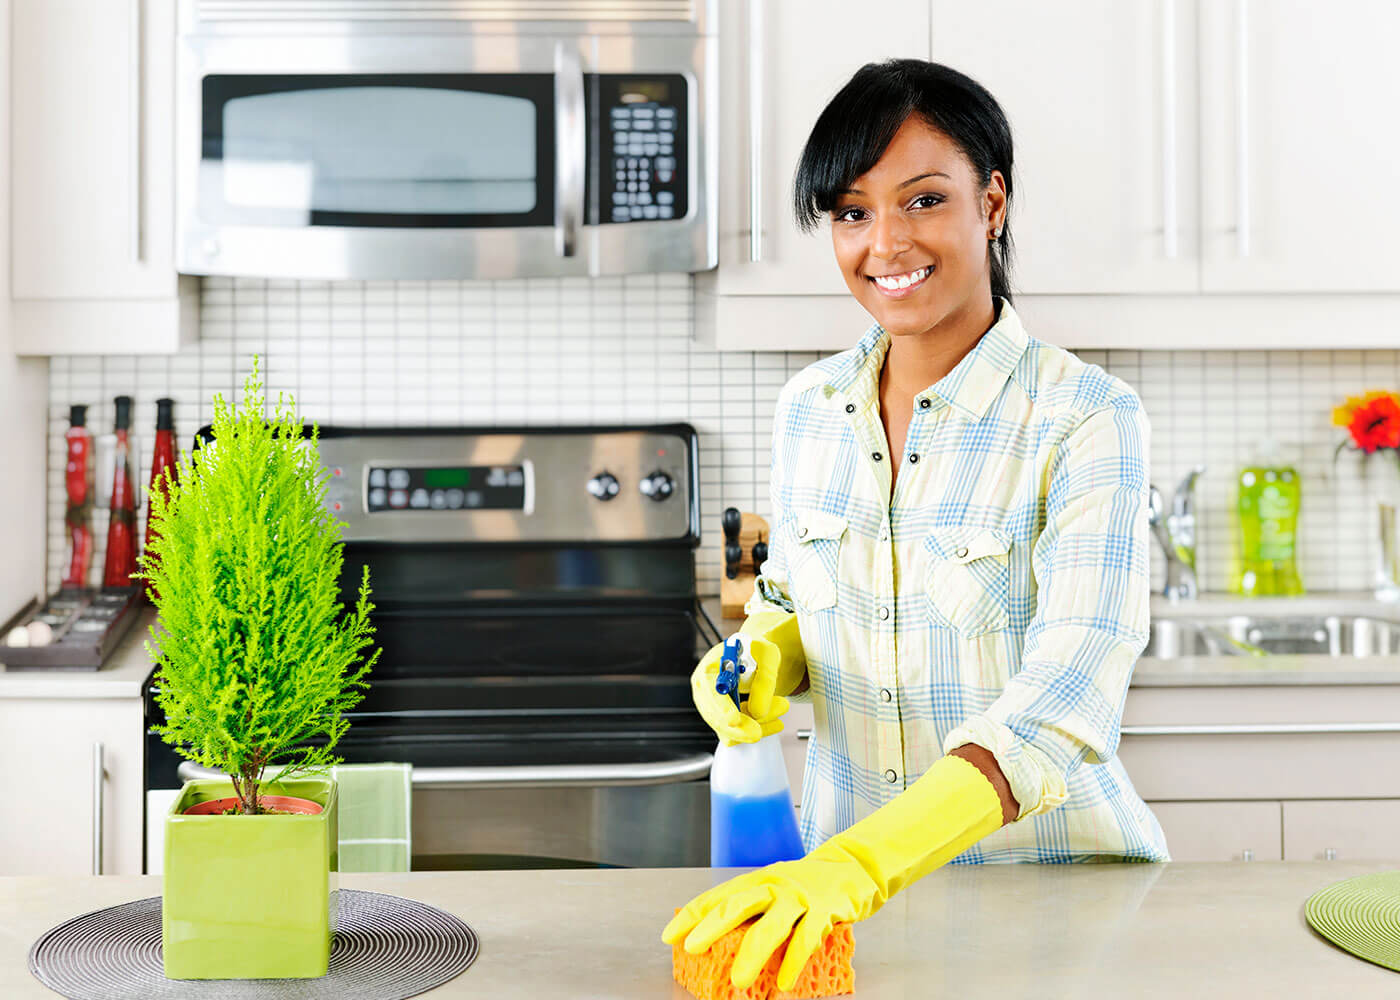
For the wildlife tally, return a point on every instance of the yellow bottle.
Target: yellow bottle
(1270, 495)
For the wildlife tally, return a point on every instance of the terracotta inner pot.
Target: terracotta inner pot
(280, 803)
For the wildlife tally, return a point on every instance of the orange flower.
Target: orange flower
(1373, 420)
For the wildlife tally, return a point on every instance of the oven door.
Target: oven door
(450, 155)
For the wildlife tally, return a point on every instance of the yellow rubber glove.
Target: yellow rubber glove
(775, 666)
(847, 878)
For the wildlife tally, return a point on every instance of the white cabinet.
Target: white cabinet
(1365, 830)
(92, 147)
(1221, 831)
(1101, 96)
(52, 785)
(797, 731)
(1299, 152)
(1174, 159)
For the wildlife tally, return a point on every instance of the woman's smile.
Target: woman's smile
(901, 286)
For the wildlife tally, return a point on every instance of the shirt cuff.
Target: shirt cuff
(1035, 782)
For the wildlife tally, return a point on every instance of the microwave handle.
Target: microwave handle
(570, 150)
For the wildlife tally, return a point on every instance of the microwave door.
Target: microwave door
(388, 175)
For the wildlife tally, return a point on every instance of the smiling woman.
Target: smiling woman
(982, 552)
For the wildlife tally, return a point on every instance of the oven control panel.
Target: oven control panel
(577, 485)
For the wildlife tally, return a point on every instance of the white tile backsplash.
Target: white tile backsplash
(621, 350)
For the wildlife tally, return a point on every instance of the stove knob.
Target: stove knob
(603, 486)
(658, 486)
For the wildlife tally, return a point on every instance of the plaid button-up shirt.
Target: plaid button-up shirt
(999, 597)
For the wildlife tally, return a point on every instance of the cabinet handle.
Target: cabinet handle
(1329, 855)
(136, 131)
(570, 144)
(1242, 207)
(804, 734)
(1247, 855)
(98, 780)
(1266, 729)
(1169, 230)
(756, 130)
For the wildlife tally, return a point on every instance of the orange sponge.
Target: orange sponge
(828, 972)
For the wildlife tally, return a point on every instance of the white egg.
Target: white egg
(40, 633)
(19, 636)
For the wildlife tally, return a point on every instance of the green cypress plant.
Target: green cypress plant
(257, 658)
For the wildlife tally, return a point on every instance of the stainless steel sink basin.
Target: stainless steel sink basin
(1261, 635)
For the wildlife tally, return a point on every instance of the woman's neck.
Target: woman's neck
(917, 361)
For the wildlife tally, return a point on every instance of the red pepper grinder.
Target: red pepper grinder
(162, 465)
(121, 528)
(75, 481)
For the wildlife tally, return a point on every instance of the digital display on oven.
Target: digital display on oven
(445, 488)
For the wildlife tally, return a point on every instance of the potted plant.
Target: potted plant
(257, 662)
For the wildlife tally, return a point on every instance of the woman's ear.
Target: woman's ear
(994, 204)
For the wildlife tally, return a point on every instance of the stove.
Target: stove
(535, 602)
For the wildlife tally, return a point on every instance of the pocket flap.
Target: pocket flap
(962, 545)
(810, 525)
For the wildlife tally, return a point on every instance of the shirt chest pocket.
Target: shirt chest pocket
(968, 579)
(815, 553)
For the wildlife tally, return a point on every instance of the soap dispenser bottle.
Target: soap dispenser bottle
(1270, 495)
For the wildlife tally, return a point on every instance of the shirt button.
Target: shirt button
(850, 407)
(802, 533)
(891, 776)
(961, 553)
(885, 694)
(884, 614)
(913, 456)
(876, 455)
(924, 404)
(884, 534)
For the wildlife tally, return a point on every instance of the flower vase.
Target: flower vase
(1383, 475)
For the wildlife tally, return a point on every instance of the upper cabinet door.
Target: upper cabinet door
(1300, 149)
(1101, 97)
(792, 56)
(91, 147)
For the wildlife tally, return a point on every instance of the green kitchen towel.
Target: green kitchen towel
(376, 811)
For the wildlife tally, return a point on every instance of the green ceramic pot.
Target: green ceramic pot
(250, 897)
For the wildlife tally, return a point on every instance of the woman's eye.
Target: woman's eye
(927, 200)
(849, 215)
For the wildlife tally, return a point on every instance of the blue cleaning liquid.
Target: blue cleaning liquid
(752, 831)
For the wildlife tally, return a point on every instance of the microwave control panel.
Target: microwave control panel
(642, 131)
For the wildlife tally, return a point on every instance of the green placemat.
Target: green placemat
(1362, 916)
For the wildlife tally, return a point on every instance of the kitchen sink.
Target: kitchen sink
(1266, 635)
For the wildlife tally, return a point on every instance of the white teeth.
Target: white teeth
(903, 281)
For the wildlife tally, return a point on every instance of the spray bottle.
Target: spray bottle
(752, 822)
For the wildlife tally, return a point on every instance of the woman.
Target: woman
(959, 567)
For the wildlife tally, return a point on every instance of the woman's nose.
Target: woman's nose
(889, 236)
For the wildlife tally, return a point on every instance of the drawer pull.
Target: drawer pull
(1247, 855)
(804, 734)
(1330, 854)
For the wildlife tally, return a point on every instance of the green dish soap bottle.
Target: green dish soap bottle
(1270, 494)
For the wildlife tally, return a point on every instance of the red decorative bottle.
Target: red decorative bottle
(162, 464)
(121, 528)
(75, 482)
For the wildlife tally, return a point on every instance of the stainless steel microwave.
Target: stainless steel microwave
(360, 139)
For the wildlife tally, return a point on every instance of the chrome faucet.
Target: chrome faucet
(1177, 534)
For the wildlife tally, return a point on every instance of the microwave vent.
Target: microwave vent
(447, 10)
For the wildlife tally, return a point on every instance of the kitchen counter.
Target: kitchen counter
(1243, 671)
(122, 676)
(1166, 930)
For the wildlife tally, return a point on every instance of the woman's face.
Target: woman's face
(911, 236)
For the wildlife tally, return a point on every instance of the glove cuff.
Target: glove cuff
(780, 629)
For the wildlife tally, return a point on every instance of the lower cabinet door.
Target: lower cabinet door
(1221, 831)
(797, 731)
(1341, 830)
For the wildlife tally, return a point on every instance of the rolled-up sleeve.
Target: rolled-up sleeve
(1064, 705)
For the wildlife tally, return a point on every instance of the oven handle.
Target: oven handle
(662, 772)
(570, 149)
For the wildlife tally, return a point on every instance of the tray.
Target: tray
(87, 625)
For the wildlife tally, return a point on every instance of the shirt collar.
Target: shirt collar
(969, 388)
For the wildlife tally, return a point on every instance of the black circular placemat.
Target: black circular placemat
(386, 948)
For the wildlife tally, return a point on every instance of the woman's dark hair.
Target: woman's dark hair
(853, 131)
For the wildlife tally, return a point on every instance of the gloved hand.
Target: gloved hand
(847, 878)
(774, 666)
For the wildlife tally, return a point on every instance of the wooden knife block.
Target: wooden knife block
(734, 594)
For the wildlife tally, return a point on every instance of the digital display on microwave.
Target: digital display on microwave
(642, 91)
